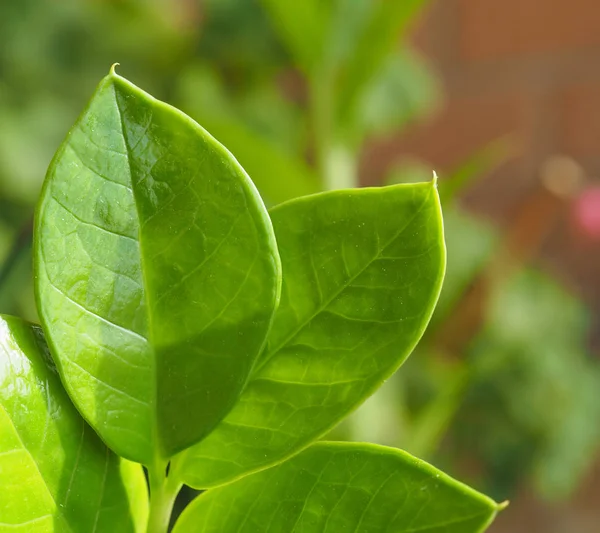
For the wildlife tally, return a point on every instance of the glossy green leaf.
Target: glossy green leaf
(157, 272)
(342, 487)
(362, 272)
(56, 475)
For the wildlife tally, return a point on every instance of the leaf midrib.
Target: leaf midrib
(128, 156)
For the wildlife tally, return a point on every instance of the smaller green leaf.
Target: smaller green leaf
(55, 473)
(342, 487)
(362, 271)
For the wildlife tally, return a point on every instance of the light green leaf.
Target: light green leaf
(157, 272)
(55, 473)
(373, 46)
(362, 273)
(335, 487)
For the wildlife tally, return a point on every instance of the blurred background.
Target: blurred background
(502, 99)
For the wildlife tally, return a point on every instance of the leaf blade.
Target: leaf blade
(173, 276)
(77, 483)
(333, 487)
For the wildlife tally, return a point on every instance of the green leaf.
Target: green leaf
(157, 272)
(55, 473)
(373, 46)
(362, 273)
(335, 487)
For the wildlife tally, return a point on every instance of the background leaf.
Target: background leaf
(404, 89)
(373, 46)
(55, 473)
(334, 487)
(303, 28)
(366, 264)
(172, 277)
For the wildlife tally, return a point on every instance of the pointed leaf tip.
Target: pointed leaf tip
(503, 505)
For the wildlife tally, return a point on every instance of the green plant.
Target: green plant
(212, 342)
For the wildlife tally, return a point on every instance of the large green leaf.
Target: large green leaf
(55, 473)
(362, 273)
(335, 487)
(157, 272)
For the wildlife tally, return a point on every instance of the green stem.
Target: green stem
(336, 161)
(163, 492)
(320, 114)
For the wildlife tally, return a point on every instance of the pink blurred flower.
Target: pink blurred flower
(587, 212)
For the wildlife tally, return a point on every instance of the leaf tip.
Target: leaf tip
(503, 505)
(112, 71)
(435, 177)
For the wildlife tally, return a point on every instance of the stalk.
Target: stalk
(162, 497)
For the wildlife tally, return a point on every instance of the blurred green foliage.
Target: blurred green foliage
(295, 90)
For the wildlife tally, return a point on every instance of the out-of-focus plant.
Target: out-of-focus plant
(333, 75)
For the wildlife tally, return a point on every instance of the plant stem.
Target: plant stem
(163, 492)
(336, 162)
(320, 112)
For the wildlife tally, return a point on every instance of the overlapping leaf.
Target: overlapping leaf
(333, 487)
(157, 272)
(55, 473)
(362, 271)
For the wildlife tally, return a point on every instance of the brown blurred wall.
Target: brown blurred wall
(530, 68)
